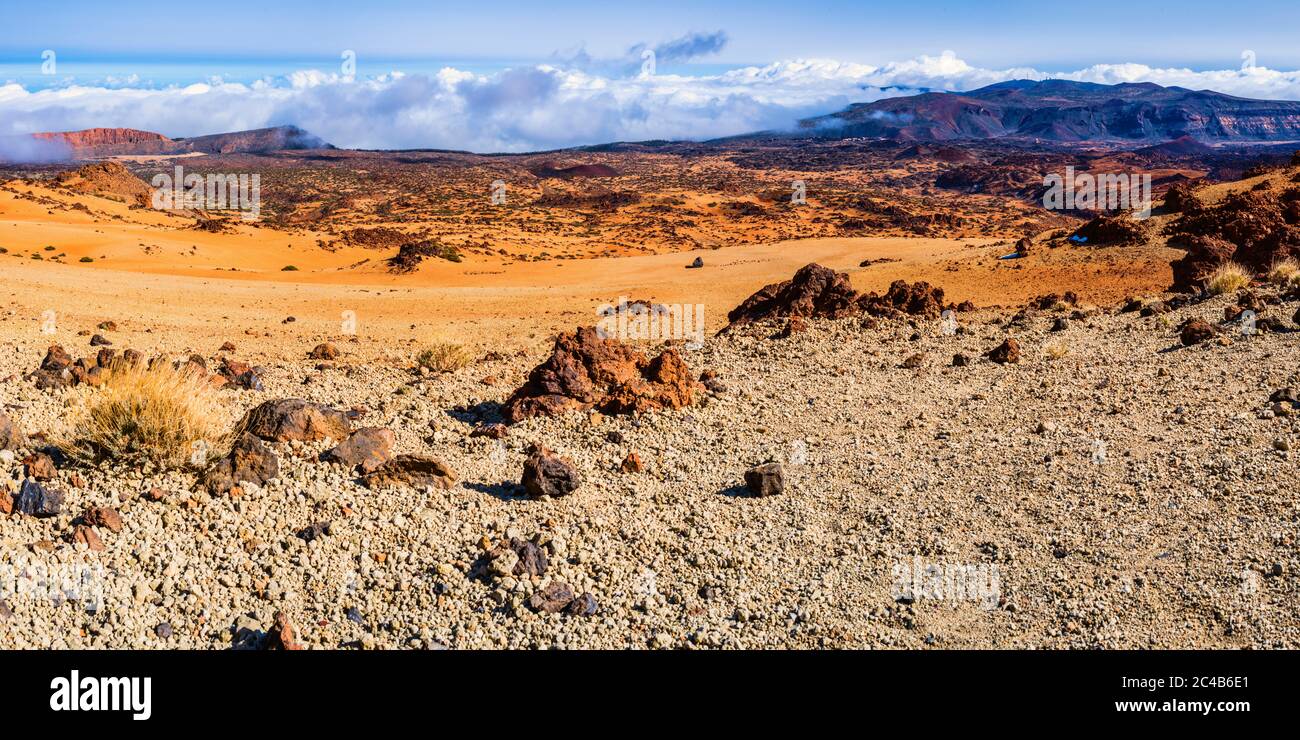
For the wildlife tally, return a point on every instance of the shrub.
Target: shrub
(444, 357)
(1284, 271)
(86, 259)
(288, 268)
(1228, 278)
(169, 417)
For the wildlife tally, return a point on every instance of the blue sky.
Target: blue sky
(993, 33)
(508, 75)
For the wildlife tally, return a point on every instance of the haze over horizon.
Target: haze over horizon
(569, 75)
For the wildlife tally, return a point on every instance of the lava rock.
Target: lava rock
(546, 474)
(767, 479)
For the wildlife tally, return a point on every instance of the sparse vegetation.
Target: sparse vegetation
(1284, 271)
(1056, 350)
(169, 417)
(444, 357)
(86, 259)
(1228, 278)
(289, 268)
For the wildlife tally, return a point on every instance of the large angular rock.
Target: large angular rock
(767, 479)
(416, 471)
(37, 500)
(814, 291)
(367, 448)
(586, 371)
(904, 299)
(250, 461)
(547, 474)
(292, 419)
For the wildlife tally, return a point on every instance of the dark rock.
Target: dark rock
(546, 474)
(767, 479)
(56, 359)
(99, 341)
(416, 471)
(552, 598)
(325, 351)
(36, 500)
(250, 460)
(586, 370)
(163, 631)
(294, 419)
(314, 531)
(1060, 324)
(1007, 352)
(583, 606)
(697, 263)
(813, 292)
(368, 448)
(1195, 331)
(960, 360)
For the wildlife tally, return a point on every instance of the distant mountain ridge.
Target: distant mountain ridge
(110, 142)
(1066, 111)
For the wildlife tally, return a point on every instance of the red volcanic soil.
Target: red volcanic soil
(549, 170)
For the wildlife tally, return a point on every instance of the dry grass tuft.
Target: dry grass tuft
(1228, 278)
(1284, 271)
(1056, 350)
(161, 415)
(444, 357)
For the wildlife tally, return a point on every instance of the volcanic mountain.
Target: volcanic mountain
(1064, 111)
(109, 142)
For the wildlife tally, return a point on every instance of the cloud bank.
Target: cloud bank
(566, 102)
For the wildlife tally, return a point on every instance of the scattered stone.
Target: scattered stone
(36, 500)
(281, 636)
(103, 516)
(163, 631)
(83, 535)
(631, 463)
(1060, 324)
(517, 557)
(367, 448)
(697, 263)
(960, 360)
(491, 431)
(40, 466)
(553, 598)
(314, 531)
(324, 351)
(417, 471)
(1007, 352)
(1195, 331)
(767, 479)
(914, 361)
(249, 461)
(226, 347)
(11, 438)
(583, 606)
(294, 419)
(546, 474)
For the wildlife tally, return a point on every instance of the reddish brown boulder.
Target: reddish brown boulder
(294, 419)
(1112, 231)
(553, 598)
(417, 471)
(1182, 198)
(631, 463)
(491, 431)
(905, 299)
(367, 448)
(1007, 352)
(547, 474)
(103, 516)
(814, 291)
(282, 635)
(81, 534)
(325, 351)
(1195, 331)
(40, 466)
(767, 479)
(587, 371)
(56, 359)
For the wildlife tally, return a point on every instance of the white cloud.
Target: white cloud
(550, 106)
